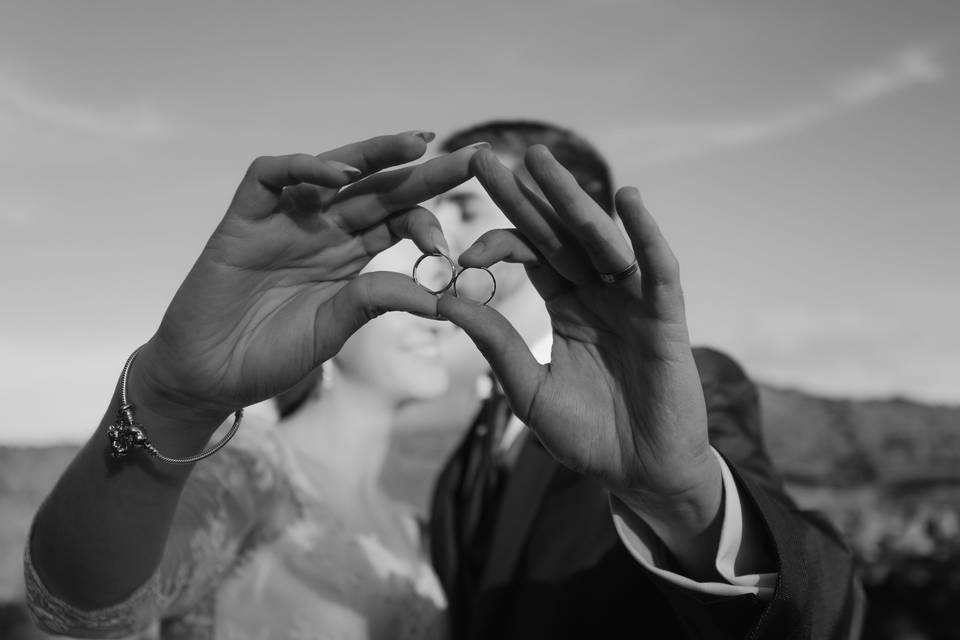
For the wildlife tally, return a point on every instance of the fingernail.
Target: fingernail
(439, 242)
(540, 148)
(426, 316)
(426, 136)
(476, 249)
(440, 315)
(477, 145)
(350, 170)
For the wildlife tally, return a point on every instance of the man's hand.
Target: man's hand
(276, 290)
(621, 399)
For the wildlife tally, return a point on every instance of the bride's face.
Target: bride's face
(397, 353)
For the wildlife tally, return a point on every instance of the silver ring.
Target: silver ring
(612, 278)
(453, 272)
(489, 273)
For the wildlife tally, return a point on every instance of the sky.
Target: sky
(801, 157)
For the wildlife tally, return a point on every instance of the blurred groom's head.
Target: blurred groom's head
(467, 212)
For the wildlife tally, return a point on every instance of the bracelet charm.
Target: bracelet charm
(125, 434)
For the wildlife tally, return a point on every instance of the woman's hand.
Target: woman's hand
(276, 290)
(621, 399)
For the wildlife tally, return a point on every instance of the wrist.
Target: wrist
(688, 522)
(689, 512)
(158, 405)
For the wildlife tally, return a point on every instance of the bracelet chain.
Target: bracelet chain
(126, 434)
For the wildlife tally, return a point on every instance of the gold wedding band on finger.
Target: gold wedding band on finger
(453, 272)
(623, 274)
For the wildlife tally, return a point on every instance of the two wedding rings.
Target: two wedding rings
(437, 273)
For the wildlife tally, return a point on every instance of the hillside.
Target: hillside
(887, 472)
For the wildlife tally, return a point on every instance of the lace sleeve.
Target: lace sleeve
(231, 502)
(55, 615)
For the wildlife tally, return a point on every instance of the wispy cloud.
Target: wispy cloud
(907, 68)
(22, 103)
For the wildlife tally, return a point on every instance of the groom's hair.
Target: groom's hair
(513, 137)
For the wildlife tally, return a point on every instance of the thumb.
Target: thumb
(518, 371)
(367, 296)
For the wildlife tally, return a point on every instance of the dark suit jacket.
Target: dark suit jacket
(557, 568)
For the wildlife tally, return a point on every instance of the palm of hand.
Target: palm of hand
(242, 326)
(619, 400)
(254, 300)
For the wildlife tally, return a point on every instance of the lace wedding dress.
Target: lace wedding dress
(257, 552)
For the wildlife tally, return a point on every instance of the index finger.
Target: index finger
(532, 217)
(380, 152)
(592, 227)
(366, 203)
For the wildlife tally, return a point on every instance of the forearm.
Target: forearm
(101, 532)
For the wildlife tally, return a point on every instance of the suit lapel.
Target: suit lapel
(521, 502)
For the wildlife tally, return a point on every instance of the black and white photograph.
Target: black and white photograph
(497, 320)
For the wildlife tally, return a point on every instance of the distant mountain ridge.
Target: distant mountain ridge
(886, 472)
(844, 442)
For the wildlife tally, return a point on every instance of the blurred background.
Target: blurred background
(801, 157)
